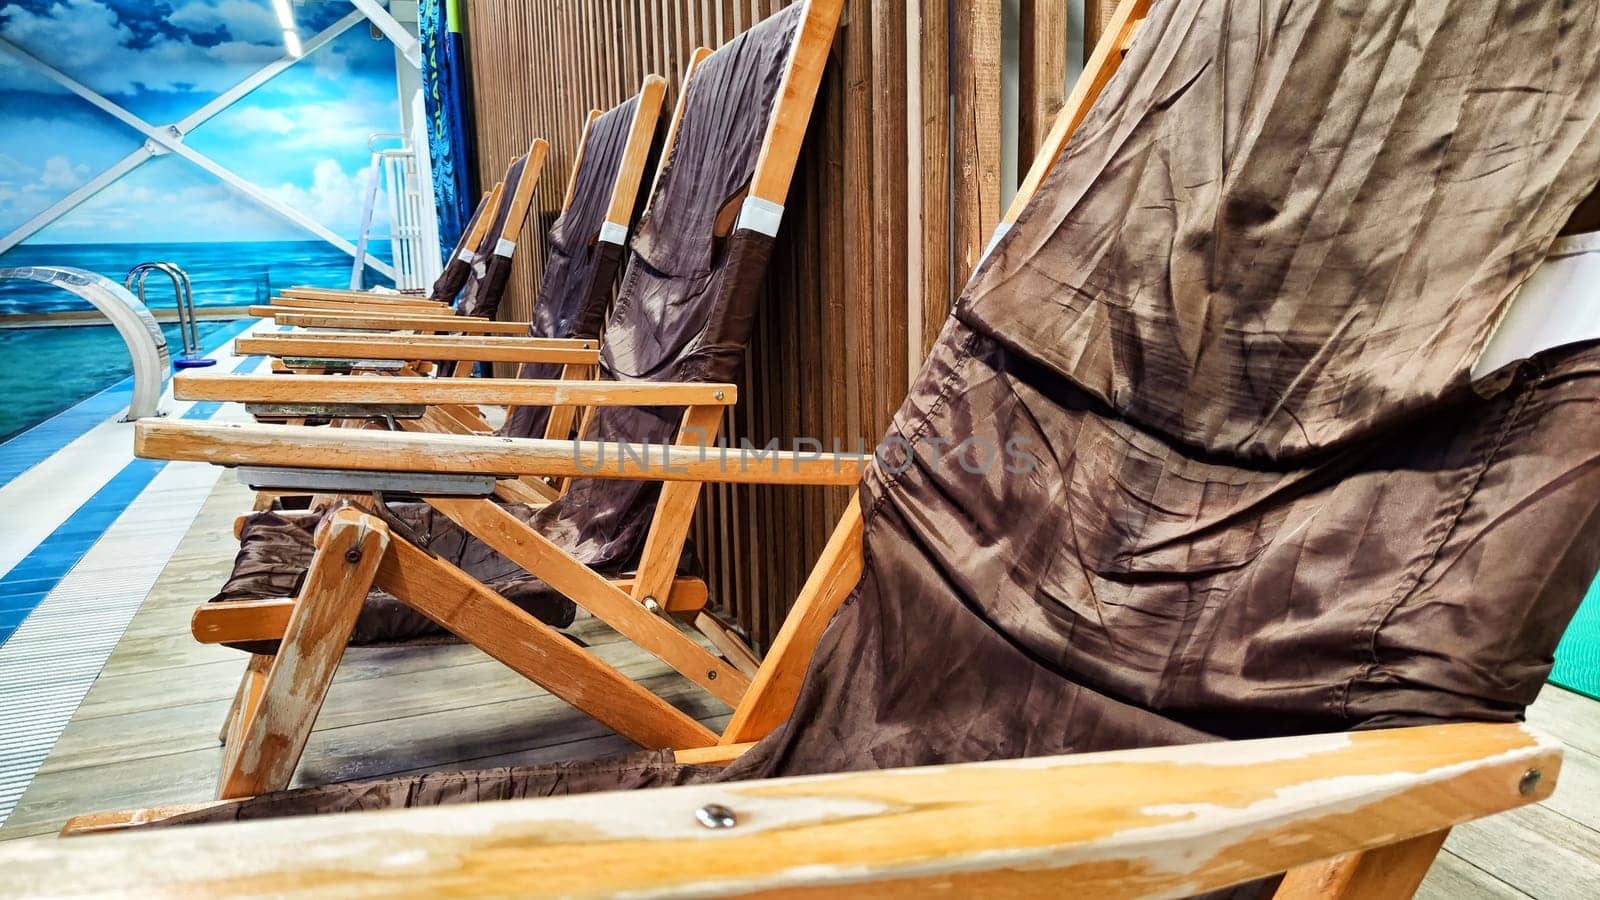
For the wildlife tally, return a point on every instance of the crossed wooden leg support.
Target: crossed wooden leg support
(281, 695)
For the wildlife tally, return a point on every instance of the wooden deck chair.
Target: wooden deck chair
(487, 270)
(1335, 814)
(614, 548)
(587, 241)
(445, 288)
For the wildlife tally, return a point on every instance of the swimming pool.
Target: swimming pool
(50, 369)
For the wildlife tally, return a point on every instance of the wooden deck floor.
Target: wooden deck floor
(147, 731)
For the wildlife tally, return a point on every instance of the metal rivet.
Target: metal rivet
(715, 815)
(711, 674)
(717, 395)
(1530, 782)
(651, 604)
(352, 556)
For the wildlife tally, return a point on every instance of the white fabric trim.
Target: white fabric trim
(505, 248)
(612, 233)
(760, 215)
(464, 254)
(1558, 305)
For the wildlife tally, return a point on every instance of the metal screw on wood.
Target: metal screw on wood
(1530, 782)
(651, 604)
(717, 395)
(711, 674)
(353, 555)
(715, 815)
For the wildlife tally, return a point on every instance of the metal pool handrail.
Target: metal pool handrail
(147, 345)
(183, 294)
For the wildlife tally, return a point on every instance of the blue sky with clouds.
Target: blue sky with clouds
(302, 136)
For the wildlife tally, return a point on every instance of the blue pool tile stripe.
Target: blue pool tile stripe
(41, 570)
(45, 439)
(26, 585)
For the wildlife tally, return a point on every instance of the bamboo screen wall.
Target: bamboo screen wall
(895, 196)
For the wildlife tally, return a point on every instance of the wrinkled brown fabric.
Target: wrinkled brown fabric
(1325, 153)
(489, 271)
(581, 270)
(1423, 576)
(686, 319)
(454, 275)
(1177, 565)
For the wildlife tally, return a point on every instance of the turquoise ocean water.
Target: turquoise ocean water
(47, 370)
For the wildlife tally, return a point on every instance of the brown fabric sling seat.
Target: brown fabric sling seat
(683, 314)
(458, 268)
(581, 269)
(1226, 350)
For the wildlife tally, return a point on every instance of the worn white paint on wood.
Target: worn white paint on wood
(1132, 823)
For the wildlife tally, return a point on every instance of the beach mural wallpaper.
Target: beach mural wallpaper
(301, 137)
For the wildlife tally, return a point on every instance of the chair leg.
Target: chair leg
(1390, 872)
(538, 652)
(255, 672)
(271, 733)
(730, 645)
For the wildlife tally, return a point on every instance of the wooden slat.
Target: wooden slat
(975, 84)
(542, 558)
(497, 391)
(359, 321)
(324, 448)
(861, 274)
(239, 621)
(295, 344)
(1041, 71)
(772, 693)
(362, 305)
(1159, 821)
(540, 653)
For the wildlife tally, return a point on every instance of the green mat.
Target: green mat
(1578, 656)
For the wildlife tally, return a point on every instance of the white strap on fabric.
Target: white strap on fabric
(1558, 305)
(612, 233)
(760, 215)
(505, 248)
(1000, 232)
(464, 254)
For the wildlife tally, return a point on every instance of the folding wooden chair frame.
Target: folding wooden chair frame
(417, 353)
(273, 722)
(464, 249)
(362, 313)
(1345, 815)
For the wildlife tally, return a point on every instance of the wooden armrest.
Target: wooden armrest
(388, 451)
(1162, 821)
(306, 292)
(417, 307)
(431, 340)
(354, 307)
(243, 621)
(469, 349)
(357, 321)
(497, 391)
(296, 307)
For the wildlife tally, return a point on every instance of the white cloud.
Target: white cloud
(85, 39)
(59, 173)
(245, 20)
(334, 198)
(329, 126)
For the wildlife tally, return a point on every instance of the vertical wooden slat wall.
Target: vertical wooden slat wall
(895, 196)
